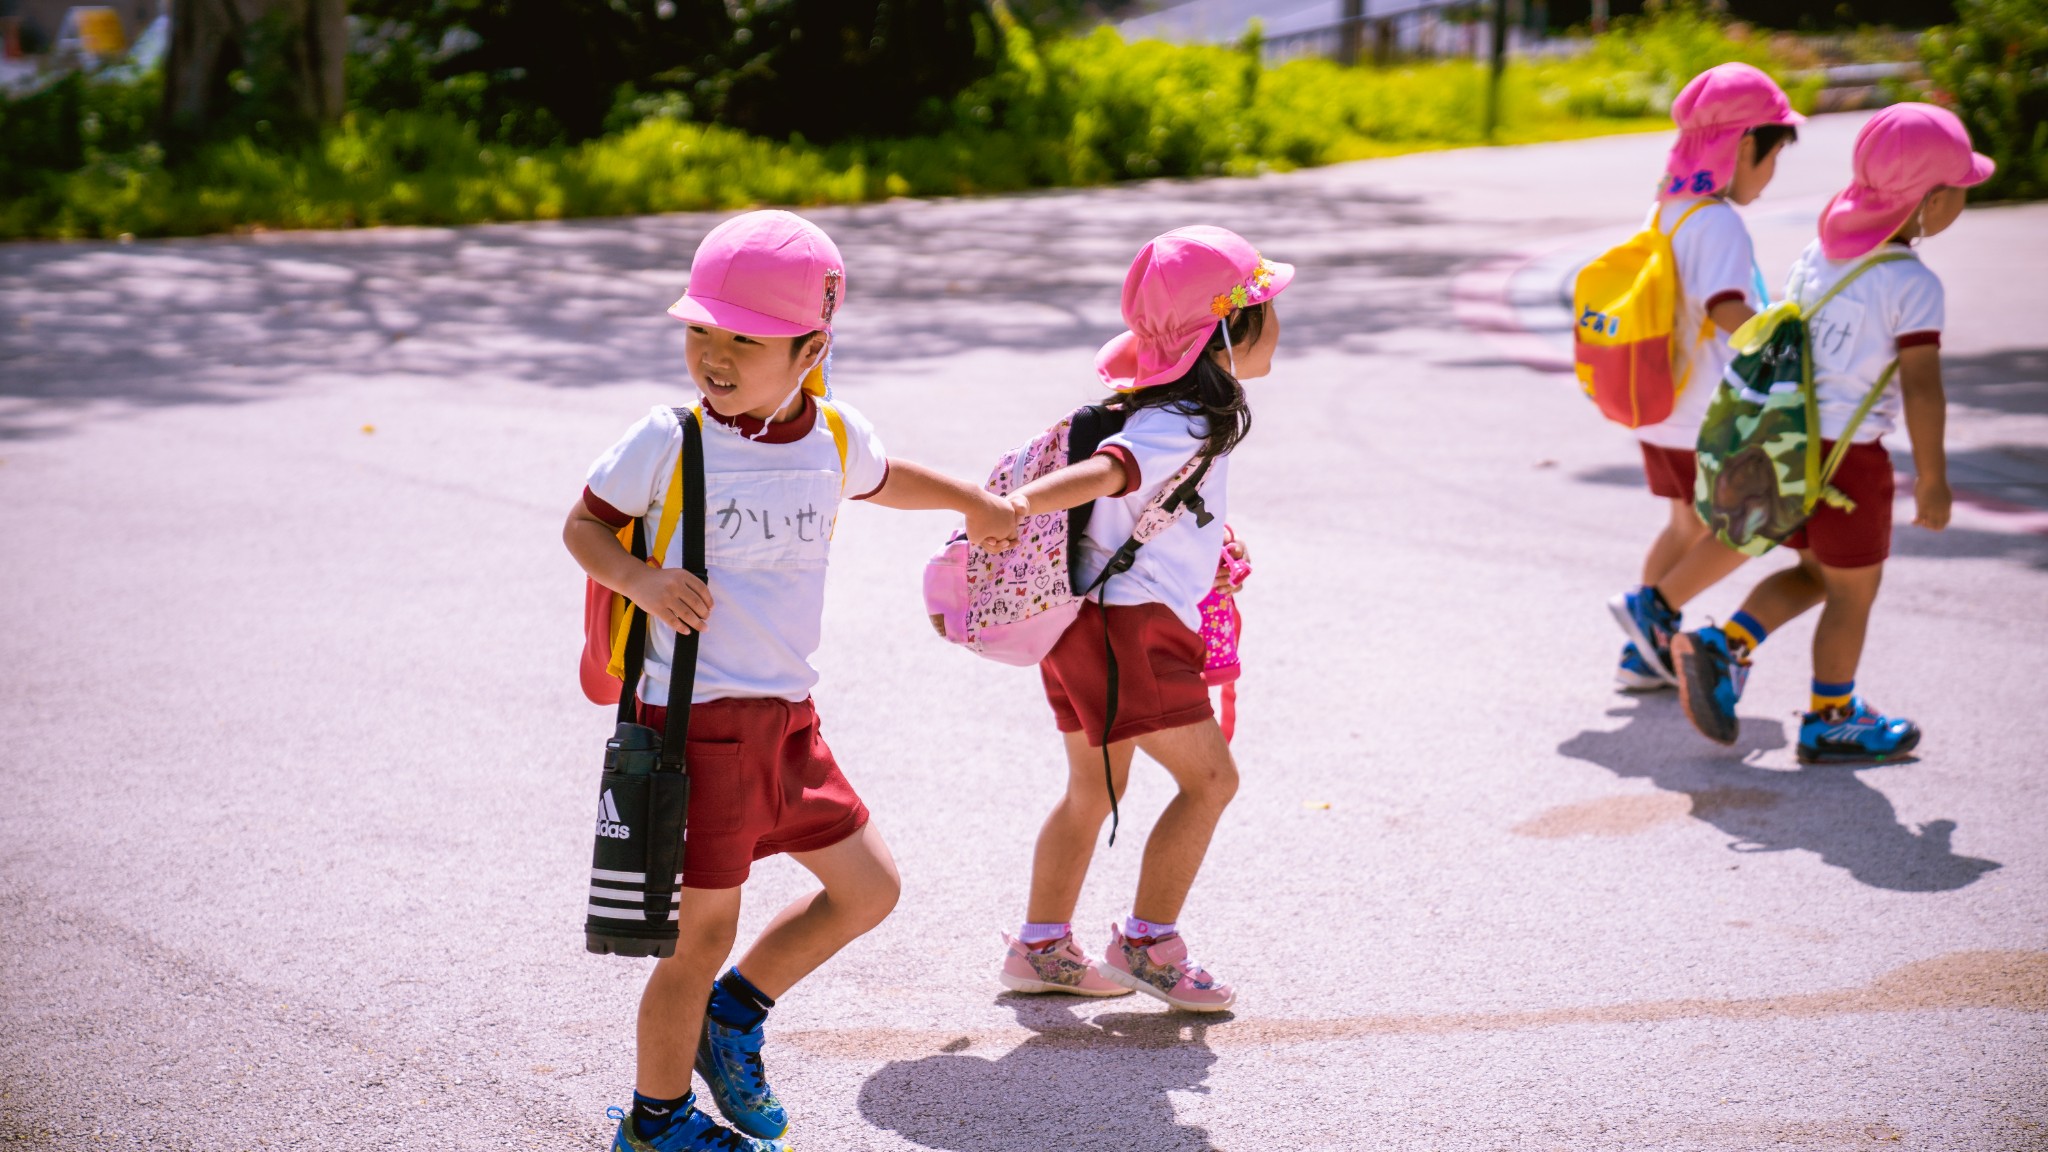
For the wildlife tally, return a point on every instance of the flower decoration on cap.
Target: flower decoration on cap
(1240, 295)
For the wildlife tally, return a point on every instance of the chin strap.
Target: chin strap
(1228, 349)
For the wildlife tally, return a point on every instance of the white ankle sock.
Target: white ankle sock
(1149, 929)
(1034, 933)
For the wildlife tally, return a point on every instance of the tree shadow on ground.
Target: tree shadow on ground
(1098, 1082)
(2015, 380)
(1826, 810)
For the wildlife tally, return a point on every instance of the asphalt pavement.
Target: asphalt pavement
(296, 787)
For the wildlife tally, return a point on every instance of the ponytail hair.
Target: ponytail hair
(1207, 389)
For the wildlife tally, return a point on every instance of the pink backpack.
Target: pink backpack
(1013, 606)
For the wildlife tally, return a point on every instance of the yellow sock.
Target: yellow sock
(1827, 696)
(1744, 633)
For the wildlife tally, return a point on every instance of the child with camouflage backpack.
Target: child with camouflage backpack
(1871, 343)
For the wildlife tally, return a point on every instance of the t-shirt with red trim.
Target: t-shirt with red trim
(1178, 566)
(1894, 305)
(772, 496)
(1716, 262)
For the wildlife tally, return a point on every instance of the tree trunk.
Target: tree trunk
(291, 51)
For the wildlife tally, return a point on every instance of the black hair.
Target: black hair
(1771, 137)
(1208, 390)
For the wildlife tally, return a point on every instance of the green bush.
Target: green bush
(1065, 111)
(1991, 68)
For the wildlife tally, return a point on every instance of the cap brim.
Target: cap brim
(733, 318)
(1981, 168)
(1283, 275)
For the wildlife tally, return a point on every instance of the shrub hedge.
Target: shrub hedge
(1991, 68)
(1065, 111)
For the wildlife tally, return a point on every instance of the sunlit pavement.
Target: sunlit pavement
(298, 782)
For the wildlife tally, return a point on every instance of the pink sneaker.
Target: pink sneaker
(1060, 968)
(1164, 970)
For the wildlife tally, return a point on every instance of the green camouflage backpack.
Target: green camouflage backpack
(1760, 472)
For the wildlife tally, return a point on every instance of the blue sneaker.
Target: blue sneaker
(729, 1060)
(1634, 675)
(1710, 680)
(1856, 734)
(692, 1131)
(1649, 626)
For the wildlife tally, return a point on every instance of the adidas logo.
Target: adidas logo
(608, 826)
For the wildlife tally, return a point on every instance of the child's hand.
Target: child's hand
(673, 596)
(1231, 577)
(992, 523)
(1932, 503)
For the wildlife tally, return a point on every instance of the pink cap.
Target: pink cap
(1902, 154)
(764, 274)
(1180, 285)
(1713, 111)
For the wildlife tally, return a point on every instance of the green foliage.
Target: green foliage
(1638, 69)
(1056, 112)
(1991, 68)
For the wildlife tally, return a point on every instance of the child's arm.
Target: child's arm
(1729, 315)
(1098, 476)
(1926, 422)
(990, 523)
(671, 595)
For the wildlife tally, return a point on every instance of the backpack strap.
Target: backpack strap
(671, 515)
(1706, 322)
(835, 423)
(686, 497)
(1682, 216)
(1818, 474)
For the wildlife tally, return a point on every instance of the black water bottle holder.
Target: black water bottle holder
(636, 868)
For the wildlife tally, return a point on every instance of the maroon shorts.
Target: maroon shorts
(1856, 539)
(762, 781)
(1158, 673)
(1670, 471)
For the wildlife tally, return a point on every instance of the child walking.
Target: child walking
(1198, 302)
(1911, 164)
(1732, 122)
(778, 458)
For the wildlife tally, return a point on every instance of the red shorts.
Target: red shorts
(1158, 666)
(762, 781)
(1670, 471)
(1856, 539)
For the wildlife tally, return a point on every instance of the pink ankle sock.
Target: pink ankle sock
(1035, 934)
(1136, 929)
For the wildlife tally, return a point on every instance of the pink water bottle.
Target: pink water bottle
(1222, 624)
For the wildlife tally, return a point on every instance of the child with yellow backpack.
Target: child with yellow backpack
(1652, 315)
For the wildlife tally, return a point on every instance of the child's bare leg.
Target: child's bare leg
(1683, 530)
(1786, 593)
(860, 890)
(1066, 843)
(1844, 620)
(1199, 759)
(672, 1007)
(1704, 564)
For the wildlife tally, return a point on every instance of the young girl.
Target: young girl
(1912, 162)
(1198, 302)
(778, 458)
(1732, 122)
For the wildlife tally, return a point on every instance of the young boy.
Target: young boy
(763, 290)
(1912, 162)
(1732, 121)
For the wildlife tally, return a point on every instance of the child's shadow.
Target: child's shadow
(1826, 810)
(1077, 1083)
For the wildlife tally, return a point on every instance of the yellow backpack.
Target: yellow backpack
(1623, 346)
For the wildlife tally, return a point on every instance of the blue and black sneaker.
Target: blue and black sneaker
(690, 1131)
(1856, 734)
(1649, 626)
(1634, 674)
(1710, 680)
(729, 1060)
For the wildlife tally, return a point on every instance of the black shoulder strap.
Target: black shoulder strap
(1093, 423)
(682, 676)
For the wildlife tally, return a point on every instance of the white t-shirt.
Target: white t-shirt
(1895, 304)
(1178, 567)
(769, 511)
(1715, 261)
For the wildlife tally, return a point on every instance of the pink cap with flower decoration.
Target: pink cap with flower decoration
(1181, 285)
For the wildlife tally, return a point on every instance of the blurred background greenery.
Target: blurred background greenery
(457, 111)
